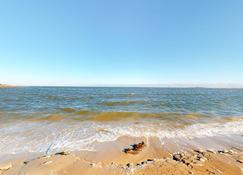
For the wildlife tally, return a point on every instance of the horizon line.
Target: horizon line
(221, 85)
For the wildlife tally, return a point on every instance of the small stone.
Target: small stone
(177, 157)
(203, 159)
(221, 151)
(128, 165)
(187, 163)
(144, 162)
(200, 156)
(92, 164)
(240, 161)
(63, 153)
(226, 152)
(199, 151)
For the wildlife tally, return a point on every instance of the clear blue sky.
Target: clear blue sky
(75, 42)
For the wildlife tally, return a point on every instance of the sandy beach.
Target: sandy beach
(110, 159)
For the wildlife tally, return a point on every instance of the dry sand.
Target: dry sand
(5, 86)
(110, 159)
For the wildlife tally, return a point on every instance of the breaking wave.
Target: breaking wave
(44, 136)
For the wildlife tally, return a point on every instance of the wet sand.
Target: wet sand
(110, 159)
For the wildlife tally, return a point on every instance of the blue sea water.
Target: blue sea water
(51, 119)
(215, 102)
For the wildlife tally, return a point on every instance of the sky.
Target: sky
(121, 42)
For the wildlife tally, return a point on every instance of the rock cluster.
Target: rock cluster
(190, 159)
(135, 148)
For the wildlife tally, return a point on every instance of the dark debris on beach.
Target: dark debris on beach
(135, 148)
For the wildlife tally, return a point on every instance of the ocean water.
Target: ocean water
(50, 119)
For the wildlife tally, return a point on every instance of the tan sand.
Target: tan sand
(109, 159)
(5, 86)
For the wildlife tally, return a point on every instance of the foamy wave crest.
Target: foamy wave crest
(50, 137)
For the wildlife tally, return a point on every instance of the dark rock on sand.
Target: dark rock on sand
(190, 159)
(199, 151)
(62, 153)
(128, 165)
(239, 160)
(226, 152)
(177, 157)
(150, 160)
(135, 148)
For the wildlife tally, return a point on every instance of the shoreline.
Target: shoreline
(75, 131)
(110, 158)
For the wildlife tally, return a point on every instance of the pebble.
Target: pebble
(128, 165)
(240, 161)
(226, 152)
(144, 162)
(150, 160)
(93, 164)
(199, 151)
(177, 157)
(200, 157)
(63, 153)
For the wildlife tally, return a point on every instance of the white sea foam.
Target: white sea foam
(49, 137)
